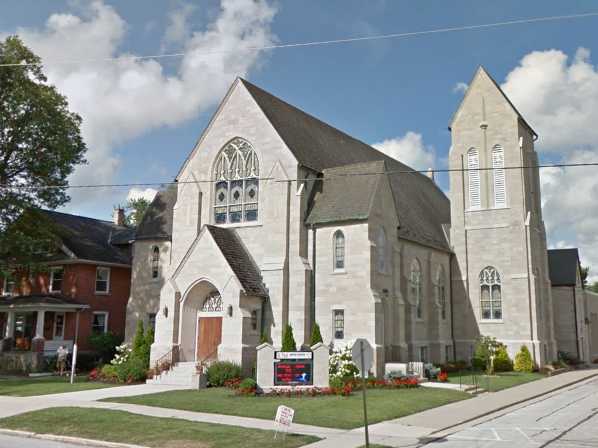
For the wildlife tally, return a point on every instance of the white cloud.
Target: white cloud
(409, 149)
(460, 87)
(178, 28)
(124, 99)
(137, 193)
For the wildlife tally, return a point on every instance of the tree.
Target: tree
(316, 335)
(593, 287)
(584, 272)
(40, 145)
(486, 349)
(288, 340)
(138, 339)
(502, 362)
(523, 360)
(136, 209)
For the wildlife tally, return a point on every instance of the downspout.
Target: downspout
(312, 307)
(529, 284)
(576, 326)
(286, 268)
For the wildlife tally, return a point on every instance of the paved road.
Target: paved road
(568, 419)
(23, 442)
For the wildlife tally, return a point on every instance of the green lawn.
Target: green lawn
(26, 387)
(499, 381)
(329, 411)
(124, 427)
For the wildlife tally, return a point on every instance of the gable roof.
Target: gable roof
(422, 206)
(344, 197)
(157, 220)
(239, 260)
(93, 239)
(482, 71)
(563, 265)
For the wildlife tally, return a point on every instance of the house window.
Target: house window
(338, 317)
(339, 251)
(99, 323)
(155, 262)
(498, 164)
(59, 326)
(8, 286)
(56, 276)
(102, 280)
(415, 283)
(448, 353)
(381, 250)
(151, 321)
(491, 299)
(236, 176)
(423, 354)
(254, 320)
(473, 165)
(441, 292)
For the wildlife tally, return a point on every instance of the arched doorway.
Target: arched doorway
(201, 323)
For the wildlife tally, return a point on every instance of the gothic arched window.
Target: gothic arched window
(339, 251)
(441, 292)
(213, 303)
(490, 298)
(473, 173)
(236, 174)
(415, 284)
(381, 250)
(498, 165)
(155, 262)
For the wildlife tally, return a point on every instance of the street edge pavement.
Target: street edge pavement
(68, 439)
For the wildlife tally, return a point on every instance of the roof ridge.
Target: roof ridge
(80, 216)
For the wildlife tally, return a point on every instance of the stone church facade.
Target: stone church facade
(278, 218)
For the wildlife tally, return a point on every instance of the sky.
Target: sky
(141, 118)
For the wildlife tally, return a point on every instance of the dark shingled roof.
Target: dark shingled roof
(40, 299)
(93, 239)
(239, 260)
(422, 206)
(344, 197)
(563, 265)
(157, 220)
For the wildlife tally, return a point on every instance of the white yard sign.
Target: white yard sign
(284, 416)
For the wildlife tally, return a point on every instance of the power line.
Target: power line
(325, 42)
(307, 179)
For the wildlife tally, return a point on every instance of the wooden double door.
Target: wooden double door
(209, 337)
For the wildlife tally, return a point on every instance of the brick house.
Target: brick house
(83, 288)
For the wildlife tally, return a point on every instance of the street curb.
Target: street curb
(507, 406)
(68, 439)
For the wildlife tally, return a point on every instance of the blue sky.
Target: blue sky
(376, 91)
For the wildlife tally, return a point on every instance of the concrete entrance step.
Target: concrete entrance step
(182, 374)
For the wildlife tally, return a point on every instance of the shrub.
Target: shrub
(108, 373)
(341, 365)
(247, 386)
(138, 339)
(502, 362)
(221, 371)
(87, 361)
(105, 344)
(523, 360)
(443, 377)
(486, 347)
(133, 370)
(288, 340)
(94, 375)
(316, 335)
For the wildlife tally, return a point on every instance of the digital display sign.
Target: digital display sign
(293, 372)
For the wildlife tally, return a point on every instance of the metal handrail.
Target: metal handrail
(171, 357)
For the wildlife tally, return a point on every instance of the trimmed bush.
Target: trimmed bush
(248, 384)
(288, 340)
(105, 344)
(523, 360)
(221, 371)
(133, 370)
(502, 362)
(316, 335)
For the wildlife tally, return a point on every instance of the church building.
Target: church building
(279, 218)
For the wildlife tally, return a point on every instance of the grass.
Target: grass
(498, 381)
(27, 387)
(125, 427)
(328, 411)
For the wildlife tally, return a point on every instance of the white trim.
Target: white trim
(106, 314)
(107, 281)
(54, 336)
(51, 285)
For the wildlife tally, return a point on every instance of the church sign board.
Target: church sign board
(293, 368)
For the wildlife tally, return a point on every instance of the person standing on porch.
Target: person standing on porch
(62, 352)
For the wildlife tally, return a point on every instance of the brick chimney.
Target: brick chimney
(118, 216)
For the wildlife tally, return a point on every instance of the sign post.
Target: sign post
(363, 356)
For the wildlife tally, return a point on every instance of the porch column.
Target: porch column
(38, 340)
(9, 334)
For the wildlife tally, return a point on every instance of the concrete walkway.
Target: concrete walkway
(399, 432)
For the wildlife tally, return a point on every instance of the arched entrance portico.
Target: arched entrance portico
(201, 323)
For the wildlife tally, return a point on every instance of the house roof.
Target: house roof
(157, 220)
(93, 239)
(345, 197)
(56, 301)
(563, 265)
(239, 260)
(422, 206)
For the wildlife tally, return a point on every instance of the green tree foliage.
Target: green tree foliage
(221, 371)
(135, 210)
(288, 340)
(523, 360)
(584, 271)
(486, 348)
(139, 338)
(502, 362)
(593, 287)
(142, 344)
(105, 344)
(316, 335)
(40, 145)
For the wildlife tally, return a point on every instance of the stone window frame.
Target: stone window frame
(474, 181)
(490, 279)
(338, 324)
(155, 262)
(53, 271)
(339, 252)
(423, 353)
(499, 176)
(416, 288)
(440, 292)
(98, 270)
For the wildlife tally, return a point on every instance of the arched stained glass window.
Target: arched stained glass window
(236, 174)
(213, 303)
(491, 297)
(441, 292)
(155, 262)
(339, 251)
(415, 284)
